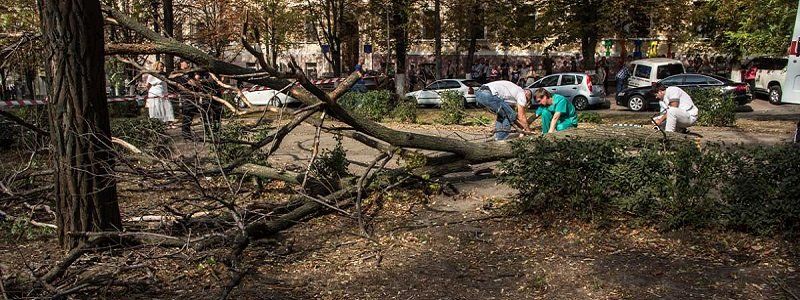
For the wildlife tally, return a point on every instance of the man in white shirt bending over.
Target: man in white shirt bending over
(677, 109)
(499, 97)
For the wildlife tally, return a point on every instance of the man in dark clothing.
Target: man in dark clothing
(189, 104)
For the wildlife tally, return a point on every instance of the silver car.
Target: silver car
(430, 94)
(576, 87)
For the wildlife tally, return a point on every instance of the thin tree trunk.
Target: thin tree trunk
(400, 20)
(437, 31)
(169, 30)
(3, 84)
(85, 189)
(154, 14)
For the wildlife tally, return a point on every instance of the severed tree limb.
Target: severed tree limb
(4, 215)
(18, 120)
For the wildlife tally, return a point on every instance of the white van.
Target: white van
(646, 72)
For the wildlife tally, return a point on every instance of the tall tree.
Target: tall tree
(437, 36)
(758, 27)
(328, 17)
(169, 30)
(400, 9)
(85, 189)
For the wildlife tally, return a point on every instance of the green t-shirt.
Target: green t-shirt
(568, 118)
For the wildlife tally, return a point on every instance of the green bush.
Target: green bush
(452, 110)
(144, 133)
(405, 111)
(715, 108)
(331, 164)
(589, 117)
(127, 109)
(373, 105)
(751, 189)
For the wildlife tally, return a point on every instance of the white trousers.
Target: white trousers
(677, 119)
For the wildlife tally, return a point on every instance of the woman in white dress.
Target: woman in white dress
(158, 105)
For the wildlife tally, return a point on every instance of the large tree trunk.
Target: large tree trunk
(169, 30)
(85, 189)
(588, 47)
(474, 32)
(437, 32)
(400, 21)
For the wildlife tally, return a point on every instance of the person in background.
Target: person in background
(622, 76)
(531, 76)
(556, 111)
(499, 97)
(604, 65)
(494, 75)
(505, 70)
(475, 72)
(601, 74)
(360, 85)
(189, 104)
(750, 75)
(677, 108)
(573, 64)
(157, 103)
(516, 75)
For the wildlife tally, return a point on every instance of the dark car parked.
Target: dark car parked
(642, 98)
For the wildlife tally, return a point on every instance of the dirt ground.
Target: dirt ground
(463, 244)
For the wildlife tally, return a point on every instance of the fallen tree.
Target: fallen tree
(312, 197)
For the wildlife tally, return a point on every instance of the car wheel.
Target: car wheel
(775, 94)
(464, 102)
(636, 103)
(580, 102)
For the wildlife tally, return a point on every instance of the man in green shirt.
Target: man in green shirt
(556, 111)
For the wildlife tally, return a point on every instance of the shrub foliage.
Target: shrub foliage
(452, 108)
(751, 189)
(373, 105)
(715, 108)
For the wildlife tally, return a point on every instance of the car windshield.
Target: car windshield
(669, 70)
(471, 83)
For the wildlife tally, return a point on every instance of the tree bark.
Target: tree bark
(169, 31)
(588, 47)
(400, 21)
(437, 32)
(85, 189)
(474, 31)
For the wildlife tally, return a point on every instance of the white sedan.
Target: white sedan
(259, 95)
(430, 94)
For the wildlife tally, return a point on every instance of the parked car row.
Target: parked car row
(642, 98)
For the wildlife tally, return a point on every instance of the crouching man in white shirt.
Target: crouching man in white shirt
(677, 109)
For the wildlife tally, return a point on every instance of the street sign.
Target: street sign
(367, 48)
(326, 48)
